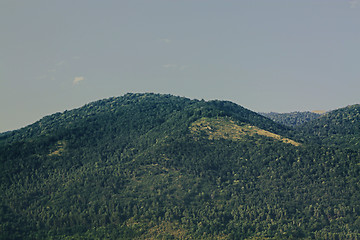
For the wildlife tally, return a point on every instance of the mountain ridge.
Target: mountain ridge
(45, 124)
(154, 166)
(292, 119)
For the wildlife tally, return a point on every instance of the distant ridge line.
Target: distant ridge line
(319, 111)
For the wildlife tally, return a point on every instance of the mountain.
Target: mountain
(338, 128)
(151, 166)
(292, 119)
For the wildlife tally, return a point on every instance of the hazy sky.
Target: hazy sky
(266, 55)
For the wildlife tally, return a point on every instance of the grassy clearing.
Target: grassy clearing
(59, 149)
(224, 128)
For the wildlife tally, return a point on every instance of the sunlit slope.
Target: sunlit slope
(224, 128)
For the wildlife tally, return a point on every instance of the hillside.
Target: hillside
(338, 128)
(292, 119)
(150, 166)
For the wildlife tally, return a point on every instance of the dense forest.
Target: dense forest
(152, 166)
(292, 119)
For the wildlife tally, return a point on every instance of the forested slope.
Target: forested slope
(292, 119)
(338, 128)
(149, 166)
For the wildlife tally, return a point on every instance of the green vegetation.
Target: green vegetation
(339, 128)
(222, 128)
(149, 166)
(292, 119)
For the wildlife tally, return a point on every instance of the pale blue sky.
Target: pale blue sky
(266, 55)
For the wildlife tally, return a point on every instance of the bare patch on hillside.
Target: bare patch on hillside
(59, 149)
(223, 128)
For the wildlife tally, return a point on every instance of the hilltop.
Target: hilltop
(152, 166)
(338, 128)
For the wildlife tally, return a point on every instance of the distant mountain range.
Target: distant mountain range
(292, 119)
(153, 166)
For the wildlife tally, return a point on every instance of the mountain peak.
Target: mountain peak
(155, 166)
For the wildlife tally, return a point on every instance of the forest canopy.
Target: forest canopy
(145, 166)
